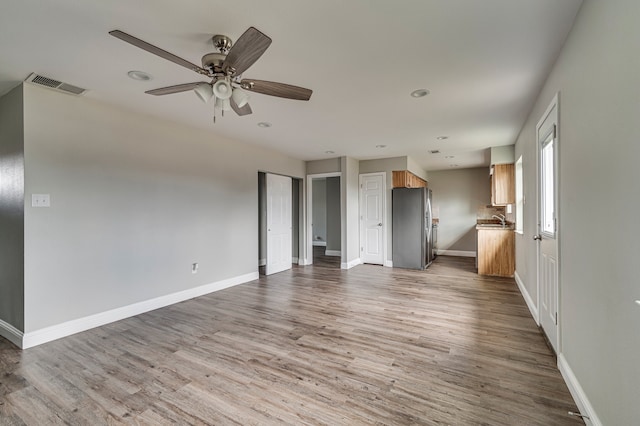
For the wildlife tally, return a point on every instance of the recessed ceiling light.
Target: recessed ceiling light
(441, 138)
(264, 124)
(329, 152)
(449, 156)
(381, 146)
(419, 93)
(139, 75)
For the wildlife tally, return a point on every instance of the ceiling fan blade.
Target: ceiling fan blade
(277, 89)
(245, 110)
(156, 50)
(173, 89)
(249, 47)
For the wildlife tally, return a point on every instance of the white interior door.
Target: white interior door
(547, 237)
(278, 223)
(372, 218)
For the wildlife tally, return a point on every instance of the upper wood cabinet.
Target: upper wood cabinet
(503, 188)
(406, 179)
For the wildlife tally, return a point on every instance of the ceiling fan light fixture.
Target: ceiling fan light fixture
(204, 92)
(223, 104)
(222, 89)
(240, 97)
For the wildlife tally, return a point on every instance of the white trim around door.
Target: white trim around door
(373, 218)
(547, 239)
(308, 252)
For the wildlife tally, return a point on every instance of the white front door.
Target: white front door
(372, 218)
(547, 237)
(278, 223)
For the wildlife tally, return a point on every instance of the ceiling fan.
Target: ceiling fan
(225, 69)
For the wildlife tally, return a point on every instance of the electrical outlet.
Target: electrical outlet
(194, 268)
(40, 200)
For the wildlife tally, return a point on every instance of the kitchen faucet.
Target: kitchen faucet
(502, 218)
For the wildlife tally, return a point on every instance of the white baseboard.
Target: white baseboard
(337, 253)
(263, 262)
(527, 298)
(577, 392)
(349, 265)
(388, 263)
(320, 243)
(68, 328)
(460, 253)
(11, 333)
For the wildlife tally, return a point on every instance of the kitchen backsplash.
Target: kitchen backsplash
(485, 214)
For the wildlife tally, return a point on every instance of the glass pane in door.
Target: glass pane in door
(547, 214)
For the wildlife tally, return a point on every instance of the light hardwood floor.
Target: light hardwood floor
(314, 345)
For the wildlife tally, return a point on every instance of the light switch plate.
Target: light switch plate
(40, 200)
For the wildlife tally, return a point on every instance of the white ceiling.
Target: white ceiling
(484, 62)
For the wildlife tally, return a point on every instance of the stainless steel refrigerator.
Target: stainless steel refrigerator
(412, 231)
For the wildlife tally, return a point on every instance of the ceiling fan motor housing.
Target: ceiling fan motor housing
(213, 61)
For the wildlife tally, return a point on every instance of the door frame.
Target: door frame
(384, 213)
(301, 235)
(288, 195)
(308, 252)
(553, 104)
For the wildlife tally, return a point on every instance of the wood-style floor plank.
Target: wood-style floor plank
(314, 345)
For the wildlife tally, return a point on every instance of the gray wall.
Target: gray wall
(330, 165)
(134, 201)
(333, 213)
(12, 209)
(599, 104)
(319, 209)
(350, 246)
(415, 168)
(457, 195)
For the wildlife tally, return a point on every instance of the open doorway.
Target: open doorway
(279, 236)
(326, 228)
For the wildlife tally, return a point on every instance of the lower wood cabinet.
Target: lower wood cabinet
(496, 252)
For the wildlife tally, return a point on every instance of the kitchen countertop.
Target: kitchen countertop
(495, 226)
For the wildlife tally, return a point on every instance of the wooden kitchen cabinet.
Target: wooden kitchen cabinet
(406, 179)
(496, 252)
(503, 187)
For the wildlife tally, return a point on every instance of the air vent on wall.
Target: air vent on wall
(54, 84)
